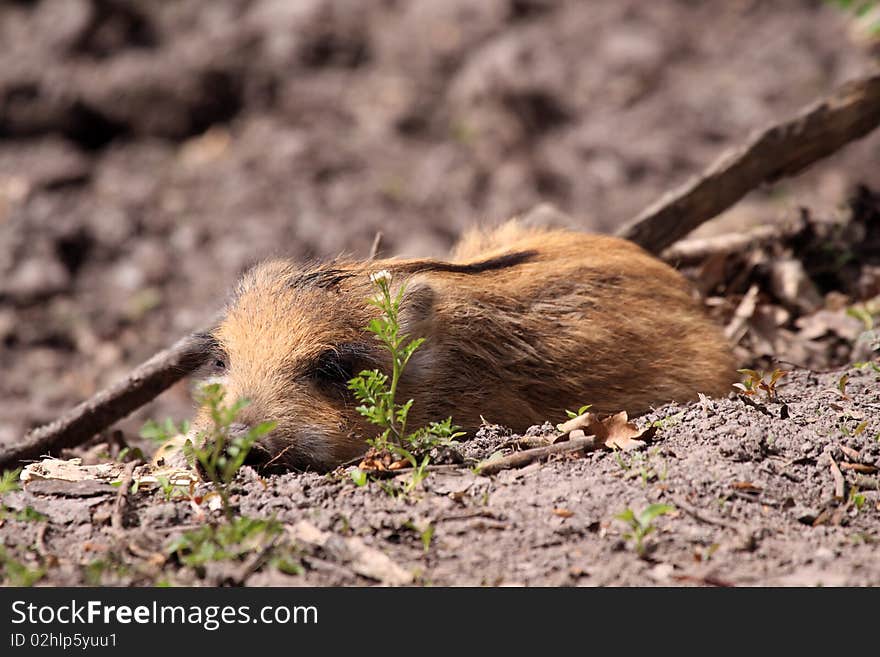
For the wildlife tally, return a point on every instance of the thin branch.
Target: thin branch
(783, 150)
(521, 459)
(377, 246)
(116, 521)
(839, 481)
(697, 250)
(114, 403)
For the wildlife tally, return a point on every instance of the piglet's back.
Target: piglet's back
(578, 319)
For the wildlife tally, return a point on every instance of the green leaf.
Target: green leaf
(9, 481)
(359, 477)
(653, 511)
(627, 516)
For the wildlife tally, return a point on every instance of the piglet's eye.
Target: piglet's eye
(220, 364)
(333, 367)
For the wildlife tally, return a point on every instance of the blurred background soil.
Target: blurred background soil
(150, 151)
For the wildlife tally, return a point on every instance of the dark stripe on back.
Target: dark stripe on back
(499, 262)
(321, 277)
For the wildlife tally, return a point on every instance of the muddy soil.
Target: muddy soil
(149, 152)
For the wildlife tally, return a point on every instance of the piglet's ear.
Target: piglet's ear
(417, 309)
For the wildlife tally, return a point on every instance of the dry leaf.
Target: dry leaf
(376, 461)
(614, 431)
(620, 433)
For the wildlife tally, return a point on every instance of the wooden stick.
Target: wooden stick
(520, 459)
(112, 404)
(784, 149)
(696, 250)
(839, 481)
(117, 520)
(377, 246)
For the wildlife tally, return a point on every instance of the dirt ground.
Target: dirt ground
(149, 152)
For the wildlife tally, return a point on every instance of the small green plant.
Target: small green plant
(173, 491)
(841, 385)
(583, 409)
(221, 452)
(376, 392)
(642, 466)
(755, 381)
(15, 573)
(860, 365)
(161, 433)
(9, 481)
(230, 540)
(857, 499)
(642, 524)
(359, 477)
(427, 535)
(424, 530)
(29, 514)
(668, 421)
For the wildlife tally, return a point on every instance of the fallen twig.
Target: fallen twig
(377, 246)
(469, 515)
(520, 459)
(849, 452)
(839, 481)
(782, 150)
(697, 250)
(743, 313)
(112, 404)
(119, 507)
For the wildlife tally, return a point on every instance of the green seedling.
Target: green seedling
(668, 421)
(583, 409)
(376, 392)
(161, 433)
(221, 453)
(425, 532)
(642, 524)
(15, 573)
(8, 484)
(755, 382)
(173, 491)
(9, 481)
(857, 499)
(359, 477)
(228, 541)
(841, 385)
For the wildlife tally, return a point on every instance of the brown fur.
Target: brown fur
(520, 325)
